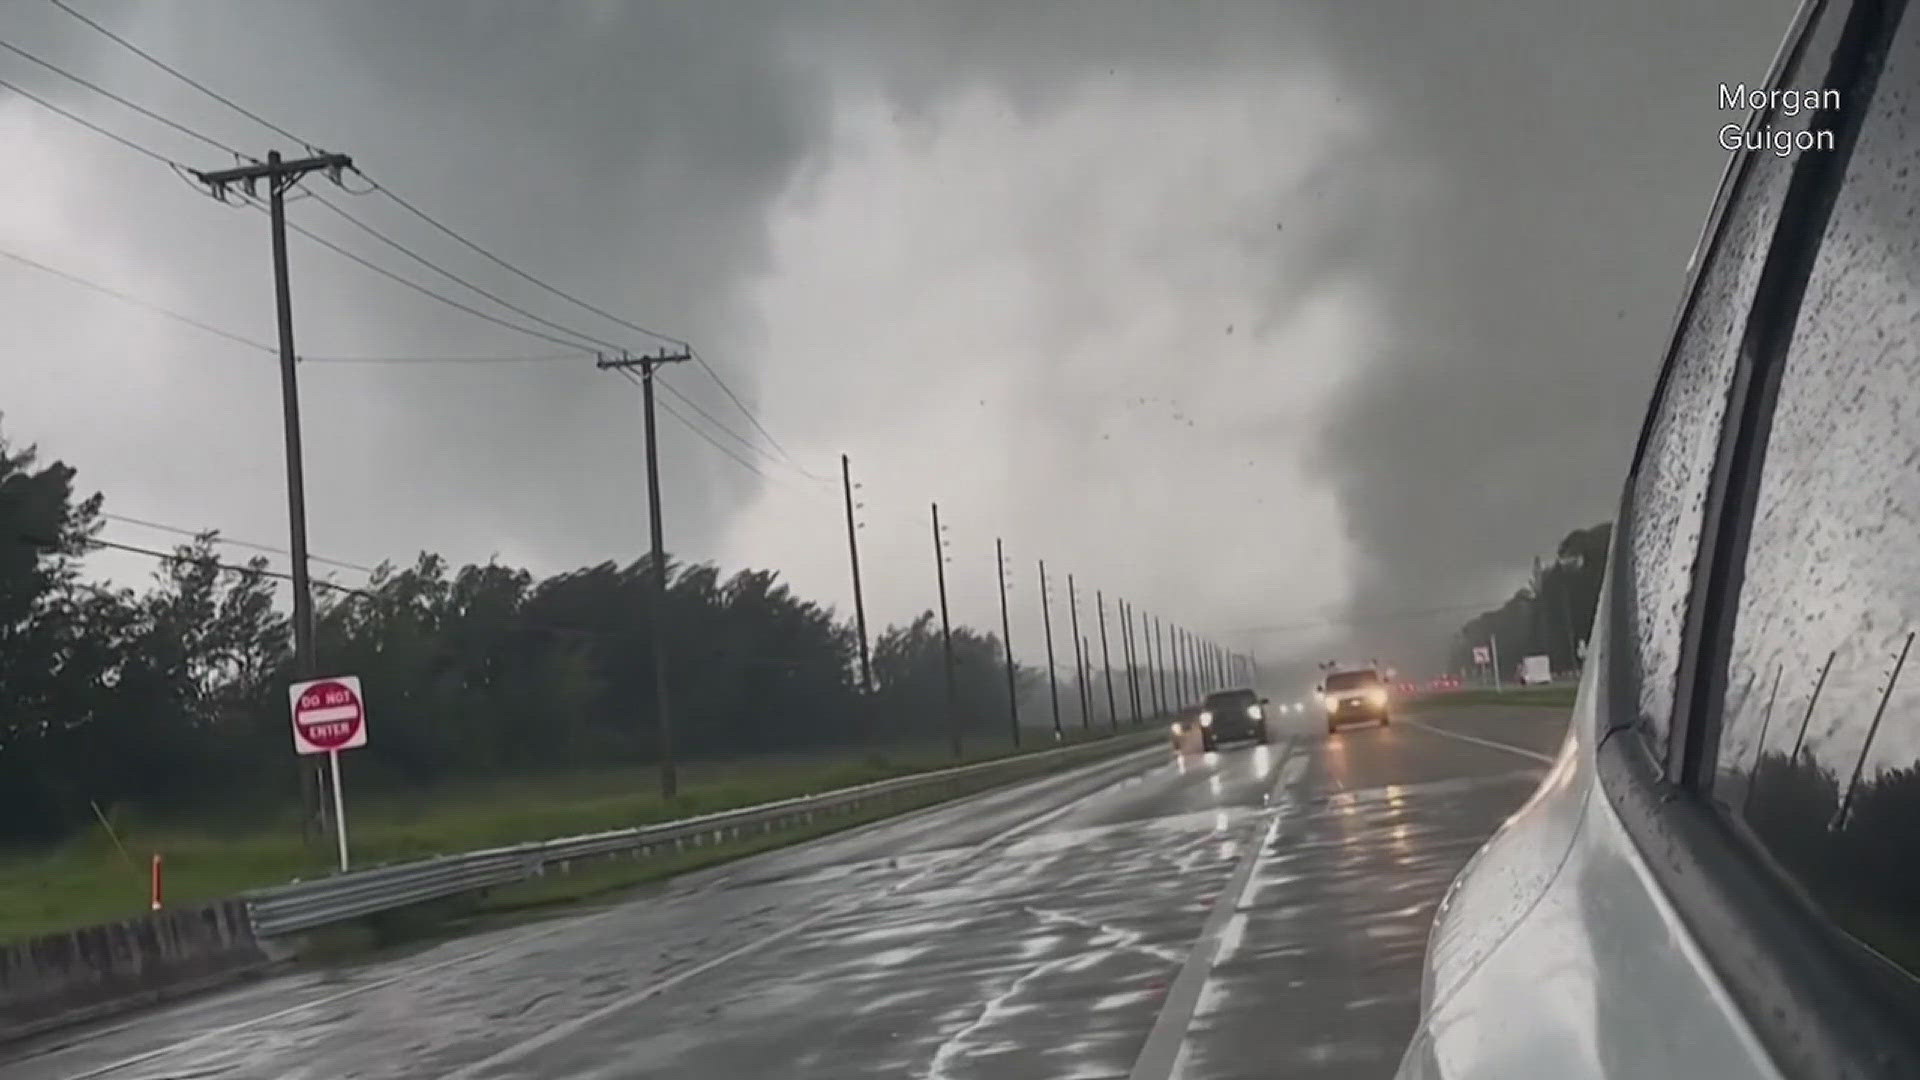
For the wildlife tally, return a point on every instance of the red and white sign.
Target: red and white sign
(1482, 655)
(328, 715)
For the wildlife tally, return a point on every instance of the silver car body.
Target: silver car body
(1619, 925)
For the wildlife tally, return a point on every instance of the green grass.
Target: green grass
(88, 879)
(1558, 697)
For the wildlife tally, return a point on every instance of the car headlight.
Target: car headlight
(1206, 718)
(1329, 702)
(1256, 713)
(1176, 727)
(1377, 695)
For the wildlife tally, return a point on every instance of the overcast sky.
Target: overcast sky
(1294, 315)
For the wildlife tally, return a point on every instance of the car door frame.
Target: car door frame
(1820, 1003)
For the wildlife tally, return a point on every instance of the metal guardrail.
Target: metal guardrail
(304, 905)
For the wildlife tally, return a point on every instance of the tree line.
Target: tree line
(1551, 614)
(174, 697)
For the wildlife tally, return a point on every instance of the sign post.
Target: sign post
(329, 715)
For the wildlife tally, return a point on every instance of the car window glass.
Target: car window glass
(1349, 680)
(1819, 750)
(1669, 487)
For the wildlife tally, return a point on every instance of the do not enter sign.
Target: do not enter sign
(328, 715)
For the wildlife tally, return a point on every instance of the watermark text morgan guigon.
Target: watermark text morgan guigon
(1780, 141)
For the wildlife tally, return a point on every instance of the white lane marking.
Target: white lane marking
(1164, 1053)
(560, 1031)
(411, 973)
(533, 935)
(554, 1034)
(1478, 741)
(1390, 792)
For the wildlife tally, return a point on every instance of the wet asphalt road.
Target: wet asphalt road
(1260, 911)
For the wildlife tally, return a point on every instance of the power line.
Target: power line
(182, 76)
(742, 406)
(595, 309)
(131, 144)
(515, 622)
(450, 275)
(96, 128)
(603, 313)
(239, 339)
(542, 358)
(697, 430)
(510, 268)
(403, 249)
(127, 102)
(424, 291)
(136, 301)
(736, 436)
(179, 530)
(586, 306)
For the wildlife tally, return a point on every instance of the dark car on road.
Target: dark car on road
(1717, 877)
(1229, 715)
(1358, 694)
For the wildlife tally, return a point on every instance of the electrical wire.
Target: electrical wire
(180, 530)
(127, 102)
(736, 436)
(349, 590)
(748, 413)
(144, 111)
(260, 346)
(375, 185)
(543, 358)
(450, 275)
(423, 290)
(398, 200)
(448, 231)
(595, 309)
(711, 441)
(139, 303)
(183, 77)
(86, 123)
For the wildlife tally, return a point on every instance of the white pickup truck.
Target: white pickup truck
(1536, 671)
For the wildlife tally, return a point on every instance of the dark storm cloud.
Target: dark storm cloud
(1479, 211)
(1575, 155)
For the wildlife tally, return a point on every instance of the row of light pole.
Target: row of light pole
(1163, 664)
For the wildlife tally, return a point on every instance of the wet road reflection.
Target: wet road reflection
(944, 946)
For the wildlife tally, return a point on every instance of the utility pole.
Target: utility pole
(946, 629)
(1106, 660)
(859, 602)
(281, 177)
(1160, 665)
(1046, 622)
(1086, 693)
(657, 610)
(1179, 664)
(1079, 665)
(1133, 676)
(1006, 642)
